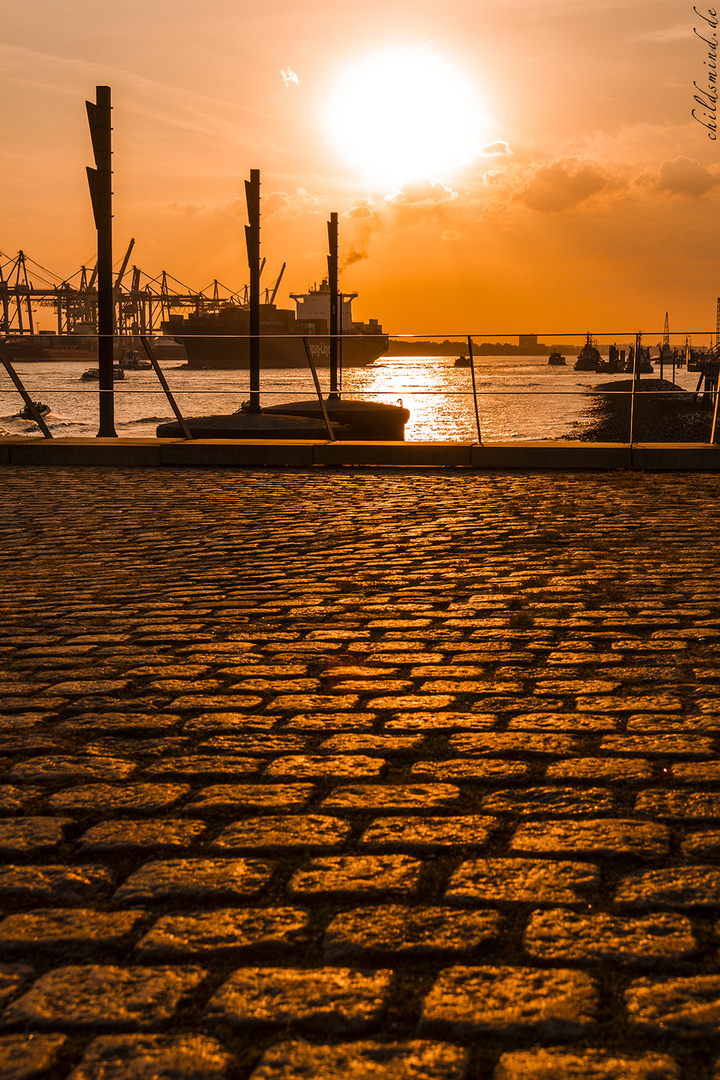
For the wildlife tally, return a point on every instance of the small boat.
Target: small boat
(556, 359)
(462, 361)
(93, 374)
(25, 413)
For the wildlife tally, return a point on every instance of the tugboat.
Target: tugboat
(588, 357)
(556, 359)
(132, 361)
(462, 361)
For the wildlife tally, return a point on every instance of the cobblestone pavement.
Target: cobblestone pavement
(386, 776)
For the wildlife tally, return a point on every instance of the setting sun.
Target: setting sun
(405, 115)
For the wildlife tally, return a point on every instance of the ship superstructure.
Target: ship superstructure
(220, 338)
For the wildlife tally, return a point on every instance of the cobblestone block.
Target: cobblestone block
(153, 1057)
(427, 834)
(701, 844)
(111, 836)
(389, 798)
(683, 887)
(469, 1001)
(522, 881)
(115, 998)
(326, 1001)
(561, 722)
(72, 931)
(357, 877)
(469, 770)
(387, 934)
(346, 767)
(227, 933)
(109, 798)
(696, 772)
(194, 766)
(221, 702)
(194, 880)
(608, 770)
(282, 834)
(53, 885)
(61, 768)
(584, 1065)
(231, 722)
(381, 745)
(416, 1060)
(14, 799)
(659, 745)
(680, 805)
(572, 937)
(254, 745)
(134, 746)
(120, 722)
(77, 687)
(327, 722)
(549, 802)
(684, 1007)
(441, 721)
(305, 702)
(221, 797)
(630, 703)
(596, 839)
(665, 724)
(515, 742)
(412, 702)
(12, 978)
(32, 835)
(24, 1057)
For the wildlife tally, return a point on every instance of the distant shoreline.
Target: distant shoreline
(485, 348)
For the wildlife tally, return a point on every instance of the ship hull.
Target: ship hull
(287, 352)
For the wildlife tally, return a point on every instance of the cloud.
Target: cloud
(449, 235)
(496, 149)
(561, 185)
(185, 209)
(421, 193)
(685, 177)
(289, 77)
(287, 206)
(664, 34)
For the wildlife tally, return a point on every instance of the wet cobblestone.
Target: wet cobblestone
(398, 775)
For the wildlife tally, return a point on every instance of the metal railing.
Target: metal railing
(473, 348)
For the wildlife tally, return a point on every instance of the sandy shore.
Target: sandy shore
(663, 412)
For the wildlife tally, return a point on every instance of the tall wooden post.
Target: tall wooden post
(334, 304)
(252, 237)
(100, 181)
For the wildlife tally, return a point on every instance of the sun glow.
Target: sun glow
(405, 115)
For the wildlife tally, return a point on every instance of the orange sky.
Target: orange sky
(515, 168)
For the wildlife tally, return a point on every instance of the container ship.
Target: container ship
(220, 338)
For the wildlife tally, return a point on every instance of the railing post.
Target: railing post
(318, 391)
(163, 382)
(34, 412)
(632, 392)
(472, 372)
